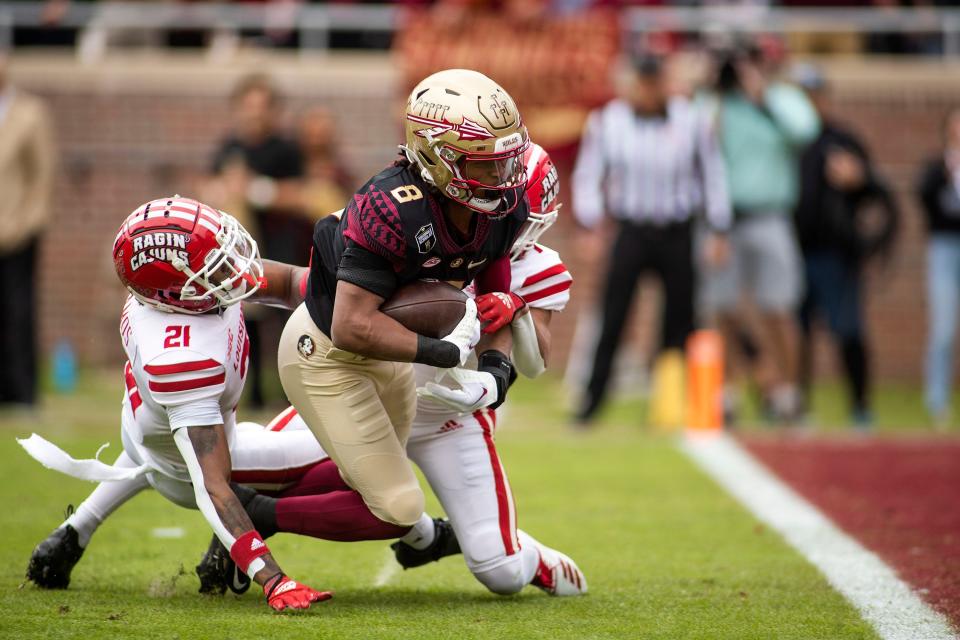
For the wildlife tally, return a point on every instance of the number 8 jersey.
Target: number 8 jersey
(182, 371)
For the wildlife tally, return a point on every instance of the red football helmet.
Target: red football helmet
(181, 256)
(543, 192)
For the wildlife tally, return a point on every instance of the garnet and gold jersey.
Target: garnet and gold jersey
(394, 231)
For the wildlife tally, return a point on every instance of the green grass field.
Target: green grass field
(666, 552)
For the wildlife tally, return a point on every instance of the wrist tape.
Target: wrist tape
(246, 552)
(436, 353)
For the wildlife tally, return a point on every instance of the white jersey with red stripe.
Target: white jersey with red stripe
(179, 363)
(539, 277)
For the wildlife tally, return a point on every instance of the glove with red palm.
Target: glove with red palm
(498, 309)
(284, 593)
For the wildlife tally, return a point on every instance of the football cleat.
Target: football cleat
(54, 558)
(218, 572)
(556, 574)
(444, 544)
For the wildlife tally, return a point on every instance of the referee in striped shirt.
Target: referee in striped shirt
(651, 162)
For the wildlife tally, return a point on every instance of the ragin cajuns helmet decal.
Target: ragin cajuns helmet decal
(162, 245)
(180, 255)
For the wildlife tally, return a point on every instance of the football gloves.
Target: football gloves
(486, 387)
(466, 334)
(284, 593)
(498, 309)
(478, 389)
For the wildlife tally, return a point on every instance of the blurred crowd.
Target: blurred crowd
(759, 211)
(282, 29)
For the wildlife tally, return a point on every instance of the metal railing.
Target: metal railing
(315, 23)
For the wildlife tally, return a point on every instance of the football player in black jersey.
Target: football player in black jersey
(451, 210)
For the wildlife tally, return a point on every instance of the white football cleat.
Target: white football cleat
(557, 574)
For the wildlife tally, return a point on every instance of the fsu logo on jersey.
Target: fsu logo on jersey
(162, 245)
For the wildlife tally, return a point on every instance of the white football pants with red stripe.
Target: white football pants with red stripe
(460, 461)
(265, 458)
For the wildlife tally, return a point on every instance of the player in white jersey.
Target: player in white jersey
(452, 439)
(187, 266)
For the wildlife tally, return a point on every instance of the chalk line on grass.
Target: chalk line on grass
(885, 601)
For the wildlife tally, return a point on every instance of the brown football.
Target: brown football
(429, 307)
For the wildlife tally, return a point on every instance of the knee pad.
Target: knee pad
(482, 545)
(403, 507)
(505, 578)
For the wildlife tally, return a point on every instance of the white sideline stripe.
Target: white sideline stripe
(168, 532)
(885, 601)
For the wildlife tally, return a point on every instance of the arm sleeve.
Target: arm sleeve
(588, 174)
(526, 348)
(204, 503)
(792, 113)
(367, 270)
(716, 197)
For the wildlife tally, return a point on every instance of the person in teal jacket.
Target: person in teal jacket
(763, 125)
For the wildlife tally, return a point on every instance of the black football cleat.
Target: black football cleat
(218, 572)
(54, 558)
(444, 544)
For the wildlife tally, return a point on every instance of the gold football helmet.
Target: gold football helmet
(465, 134)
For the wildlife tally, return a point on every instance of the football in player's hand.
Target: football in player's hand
(429, 307)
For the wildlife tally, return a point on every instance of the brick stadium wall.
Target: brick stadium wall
(141, 127)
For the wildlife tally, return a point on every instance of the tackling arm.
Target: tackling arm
(531, 342)
(208, 460)
(285, 285)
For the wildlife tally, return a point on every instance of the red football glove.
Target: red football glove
(498, 309)
(284, 593)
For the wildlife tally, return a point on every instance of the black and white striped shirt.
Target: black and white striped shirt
(655, 170)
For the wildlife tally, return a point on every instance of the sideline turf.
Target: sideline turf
(667, 553)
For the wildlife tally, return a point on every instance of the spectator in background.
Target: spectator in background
(26, 186)
(763, 125)
(653, 163)
(838, 186)
(328, 184)
(258, 174)
(939, 193)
